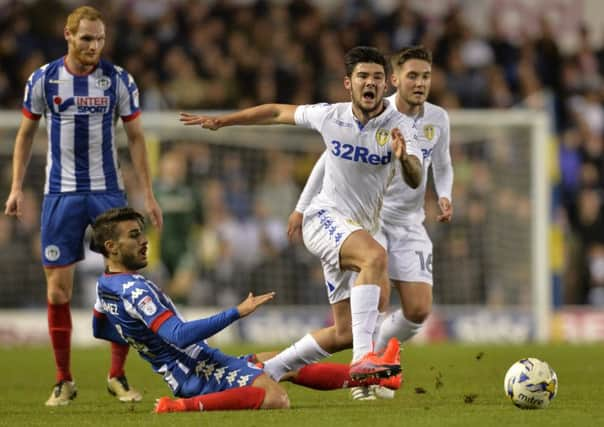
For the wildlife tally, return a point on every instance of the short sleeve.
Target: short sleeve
(33, 98)
(143, 302)
(128, 97)
(311, 116)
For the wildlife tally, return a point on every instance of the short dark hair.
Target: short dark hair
(360, 54)
(105, 227)
(413, 52)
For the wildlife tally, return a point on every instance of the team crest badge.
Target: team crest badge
(381, 136)
(52, 252)
(429, 132)
(103, 83)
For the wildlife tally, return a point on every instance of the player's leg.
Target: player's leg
(401, 323)
(337, 337)
(319, 344)
(344, 245)
(370, 291)
(314, 346)
(405, 322)
(63, 223)
(410, 268)
(117, 383)
(59, 286)
(317, 376)
(293, 364)
(365, 255)
(275, 396)
(264, 393)
(222, 382)
(330, 376)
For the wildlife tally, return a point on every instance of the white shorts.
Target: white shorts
(409, 253)
(339, 282)
(324, 230)
(409, 260)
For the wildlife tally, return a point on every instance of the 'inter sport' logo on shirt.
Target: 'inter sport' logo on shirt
(83, 104)
(358, 154)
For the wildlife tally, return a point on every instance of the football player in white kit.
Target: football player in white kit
(367, 143)
(409, 246)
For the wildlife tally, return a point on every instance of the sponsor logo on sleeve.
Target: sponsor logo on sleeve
(147, 306)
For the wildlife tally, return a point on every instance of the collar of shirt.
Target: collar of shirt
(374, 121)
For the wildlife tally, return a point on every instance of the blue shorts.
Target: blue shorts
(64, 221)
(218, 373)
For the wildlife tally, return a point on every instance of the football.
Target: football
(531, 383)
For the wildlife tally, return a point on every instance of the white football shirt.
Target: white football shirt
(359, 164)
(404, 205)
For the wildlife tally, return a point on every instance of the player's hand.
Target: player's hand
(399, 146)
(251, 303)
(446, 209)
(13, 204)
(206, 122)
(294, 227)
(154, 212)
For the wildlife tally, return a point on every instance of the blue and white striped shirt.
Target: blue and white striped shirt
(81, 112)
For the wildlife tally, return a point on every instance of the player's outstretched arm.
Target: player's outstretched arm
(251, 303)
(21, 156)
(183, 334)
(266, 114)
(411, 165)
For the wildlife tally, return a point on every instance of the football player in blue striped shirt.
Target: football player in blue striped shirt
(133, 310)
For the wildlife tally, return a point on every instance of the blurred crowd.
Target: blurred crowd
(226, 211)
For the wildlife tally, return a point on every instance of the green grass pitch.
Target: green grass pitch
(445, 385)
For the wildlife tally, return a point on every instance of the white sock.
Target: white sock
(378, 324)
(364, 300)
(395, 325)
(306, 350)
